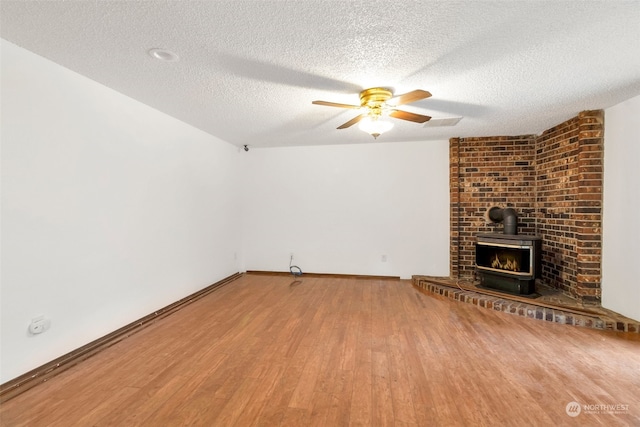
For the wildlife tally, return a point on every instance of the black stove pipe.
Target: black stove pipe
(507, 216)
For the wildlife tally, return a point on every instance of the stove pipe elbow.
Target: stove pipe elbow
(507, 216)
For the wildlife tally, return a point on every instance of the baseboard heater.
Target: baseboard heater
(43, 373)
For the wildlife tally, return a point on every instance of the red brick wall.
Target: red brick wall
(589, 210)
(553, 181)
(486, 172)
(557, 189)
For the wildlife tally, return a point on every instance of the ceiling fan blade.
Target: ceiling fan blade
(334, 104)
(412, 117)
(352, 121)
(409, 97)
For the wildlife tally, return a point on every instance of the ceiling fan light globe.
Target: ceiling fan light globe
(374, 126)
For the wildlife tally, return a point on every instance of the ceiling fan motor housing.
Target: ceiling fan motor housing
(375, 97)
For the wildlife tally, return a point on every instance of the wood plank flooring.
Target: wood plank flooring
(268, 351)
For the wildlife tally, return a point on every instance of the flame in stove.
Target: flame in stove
(510, 264)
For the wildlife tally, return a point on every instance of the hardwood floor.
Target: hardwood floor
(268, 351)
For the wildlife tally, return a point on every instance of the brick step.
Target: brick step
(512, 306)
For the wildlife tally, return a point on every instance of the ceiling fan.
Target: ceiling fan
(378, 102)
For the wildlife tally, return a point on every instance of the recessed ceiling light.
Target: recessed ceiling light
(163, 55)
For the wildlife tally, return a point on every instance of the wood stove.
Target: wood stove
(508, 262)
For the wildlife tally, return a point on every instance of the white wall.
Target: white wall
(339, 209)
(110, 210)
(621, 228)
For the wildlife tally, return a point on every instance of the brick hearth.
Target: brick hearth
(595, 318)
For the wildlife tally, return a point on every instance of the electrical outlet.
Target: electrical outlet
(38, 325)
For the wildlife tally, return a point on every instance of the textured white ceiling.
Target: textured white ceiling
(249, 70)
